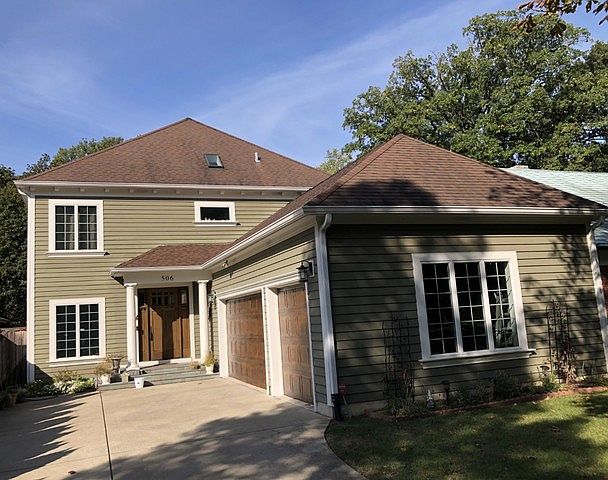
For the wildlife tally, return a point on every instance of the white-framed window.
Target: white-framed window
(75, 226)
(469, 304)
(214, 213)
(77, 329)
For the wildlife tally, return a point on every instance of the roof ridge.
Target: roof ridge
(363, 163)
(129, 140)
(251, 143)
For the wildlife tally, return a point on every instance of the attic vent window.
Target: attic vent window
(213, 160)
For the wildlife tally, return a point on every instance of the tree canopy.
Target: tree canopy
(335, 159)
(13, 225)
(504, 99)
(64, 155)
(554, 9)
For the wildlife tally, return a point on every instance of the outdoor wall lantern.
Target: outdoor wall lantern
(211, 298)
(305, 271)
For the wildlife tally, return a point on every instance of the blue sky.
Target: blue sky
(278, 73)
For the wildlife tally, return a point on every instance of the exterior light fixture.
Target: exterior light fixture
(211, 298)
(305, 271)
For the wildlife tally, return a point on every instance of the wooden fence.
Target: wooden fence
(13, 361)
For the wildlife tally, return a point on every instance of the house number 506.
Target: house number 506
(166, 278)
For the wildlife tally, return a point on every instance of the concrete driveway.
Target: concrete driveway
(211, 429)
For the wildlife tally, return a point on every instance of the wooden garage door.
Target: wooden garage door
(246, 359)
(295, 345)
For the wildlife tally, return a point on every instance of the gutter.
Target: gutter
(479, 210)
(256, 237)
(34, 183)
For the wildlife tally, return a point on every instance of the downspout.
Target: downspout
(597, 282)
(327, 326)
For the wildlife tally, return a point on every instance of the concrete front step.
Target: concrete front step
(162, 377)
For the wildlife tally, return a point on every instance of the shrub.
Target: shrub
(406, 408)
(477, 394)
(550, 382)
(65, 376)
(505, 386)
(41, 388)
(104, 368)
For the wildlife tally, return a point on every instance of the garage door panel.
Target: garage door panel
(245, 327)
(295, 343)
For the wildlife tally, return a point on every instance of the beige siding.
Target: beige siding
(131, 227)
(371, 276)
(282, 259)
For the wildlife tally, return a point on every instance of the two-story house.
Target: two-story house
(112, 238)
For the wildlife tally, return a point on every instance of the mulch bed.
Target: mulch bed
(499, 403)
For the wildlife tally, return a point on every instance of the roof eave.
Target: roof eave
(457, 210)
(274, 227)
(34, 183)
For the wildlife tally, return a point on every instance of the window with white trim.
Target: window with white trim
(469, 303)
(213, 213)
(75, 226)
(77, 329)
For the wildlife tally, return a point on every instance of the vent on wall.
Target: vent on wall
(213, 160)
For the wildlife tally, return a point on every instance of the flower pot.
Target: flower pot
(139, 382)
(116, 364)
(12, 399)
(106, 379)
(209, 369)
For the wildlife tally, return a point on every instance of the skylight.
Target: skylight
(213, 160)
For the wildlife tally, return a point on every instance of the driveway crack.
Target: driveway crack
(105, 429)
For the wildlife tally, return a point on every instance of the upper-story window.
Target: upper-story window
(469, 303)
(75, 226)
(213, 160)
(214, 213)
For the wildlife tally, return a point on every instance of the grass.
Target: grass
(564, 437)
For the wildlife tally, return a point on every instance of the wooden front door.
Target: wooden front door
(164, 323)
(295, 343)
(245, 331)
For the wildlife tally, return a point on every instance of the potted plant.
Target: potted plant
(104, 371)
(209, 362)
(13, 394)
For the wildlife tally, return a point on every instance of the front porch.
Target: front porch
(167, 306)
(164, 374)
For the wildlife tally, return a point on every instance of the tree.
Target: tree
(13, 225)
(13, 249)
(65, 155)
(335, 159)
(503, 99)
(554, 9)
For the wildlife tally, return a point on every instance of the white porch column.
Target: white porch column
(203, 317)
(131, 327)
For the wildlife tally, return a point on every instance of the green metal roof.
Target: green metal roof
(589, 185)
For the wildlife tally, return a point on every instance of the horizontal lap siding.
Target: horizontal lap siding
(371, 276)
(282, 259)
(131, 227)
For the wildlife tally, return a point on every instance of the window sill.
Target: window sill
(216, 224)
(483, 357)
(77, 253)
(68, 362)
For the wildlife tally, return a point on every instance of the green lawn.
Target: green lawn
(563, 438)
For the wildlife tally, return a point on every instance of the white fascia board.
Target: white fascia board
(266, 231)
(455, 210)
(117, 272)
(34, 183)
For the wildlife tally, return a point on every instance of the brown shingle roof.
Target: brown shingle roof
(405, 172)
(183, 255)
(174, 155)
